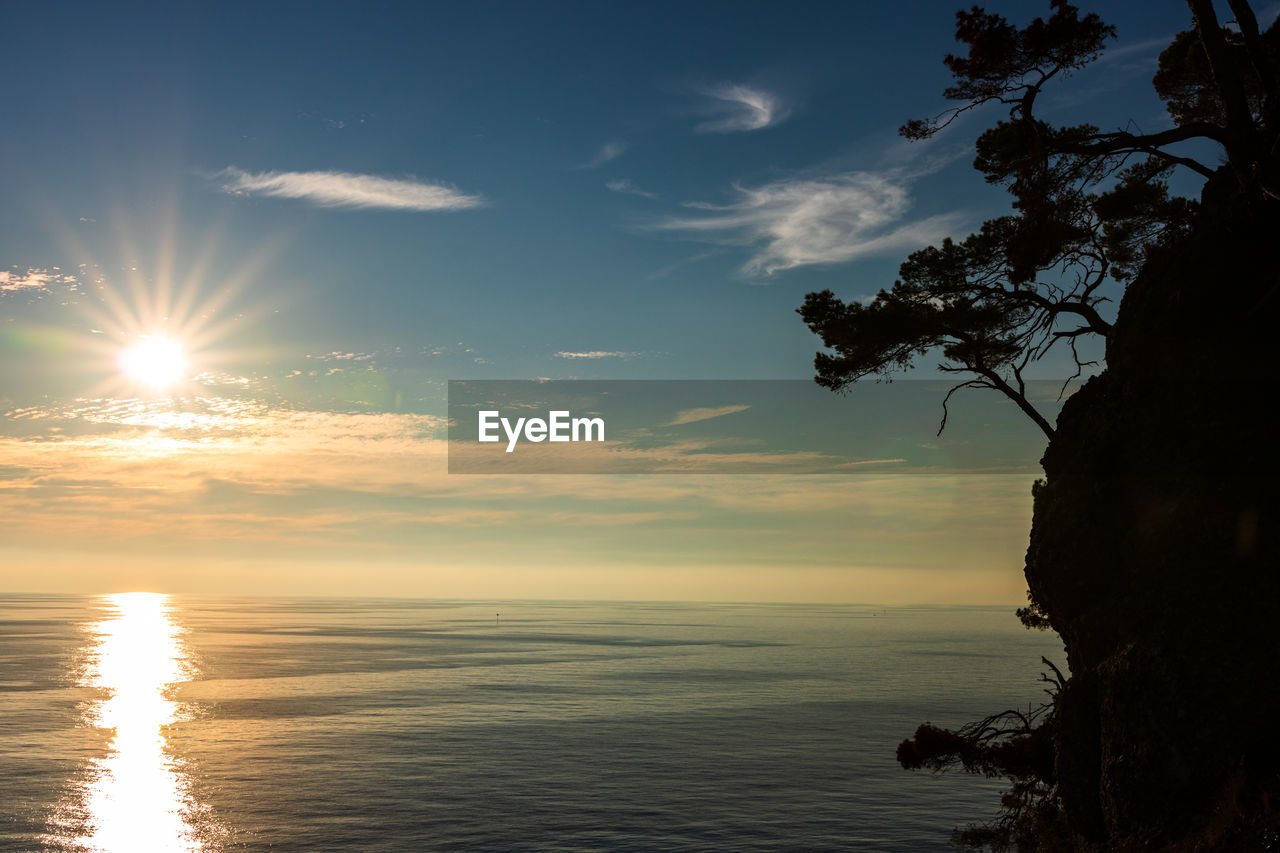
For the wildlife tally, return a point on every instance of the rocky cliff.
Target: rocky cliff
(1154, 551)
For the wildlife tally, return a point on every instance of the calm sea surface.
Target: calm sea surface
(138, 723)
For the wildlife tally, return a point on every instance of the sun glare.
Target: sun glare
(156, 362)
(136, 798)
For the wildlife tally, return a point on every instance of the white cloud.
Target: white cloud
(344, 189)
(740, 108)
(596, 354)
(862, 463)
(689, 416)
(34, 279)
(609, 151)
(826, 220)
(624, 185)
(338, 355)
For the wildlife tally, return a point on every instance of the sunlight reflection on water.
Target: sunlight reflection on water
(136, 798)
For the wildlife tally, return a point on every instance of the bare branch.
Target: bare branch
(972, 383)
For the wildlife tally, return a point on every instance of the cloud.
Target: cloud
(338, 355)
(34, 279)
(609, 151)
(826, 220)
(740, 108)
(689, 416)
(344, 189)
(330, 122)
(624, 185)
(861, 463)
(683, 262)
(1147, 48)
(596, 354)
(258, 496)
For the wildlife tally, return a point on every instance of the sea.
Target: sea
(142, 722)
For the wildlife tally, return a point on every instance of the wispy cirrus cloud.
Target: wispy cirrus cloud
(691, 416)
(591, 354)
(799, 222)
(609, 151)
(739, 108)
(1148, 48)
(624, 185)
(331, 122)
(345, 189)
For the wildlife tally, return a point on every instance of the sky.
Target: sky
(334, 209)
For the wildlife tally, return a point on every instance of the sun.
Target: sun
(156, 362)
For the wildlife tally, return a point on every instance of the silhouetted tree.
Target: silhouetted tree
(1089, 205)
(1015, 745)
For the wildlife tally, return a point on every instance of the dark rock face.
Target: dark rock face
(1154, 551)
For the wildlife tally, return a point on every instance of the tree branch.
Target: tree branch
(972, 383)
(1022, 402)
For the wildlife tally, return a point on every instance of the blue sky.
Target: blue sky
(368, 200)
(125, 116)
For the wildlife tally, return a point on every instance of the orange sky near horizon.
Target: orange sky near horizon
(249, 499)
